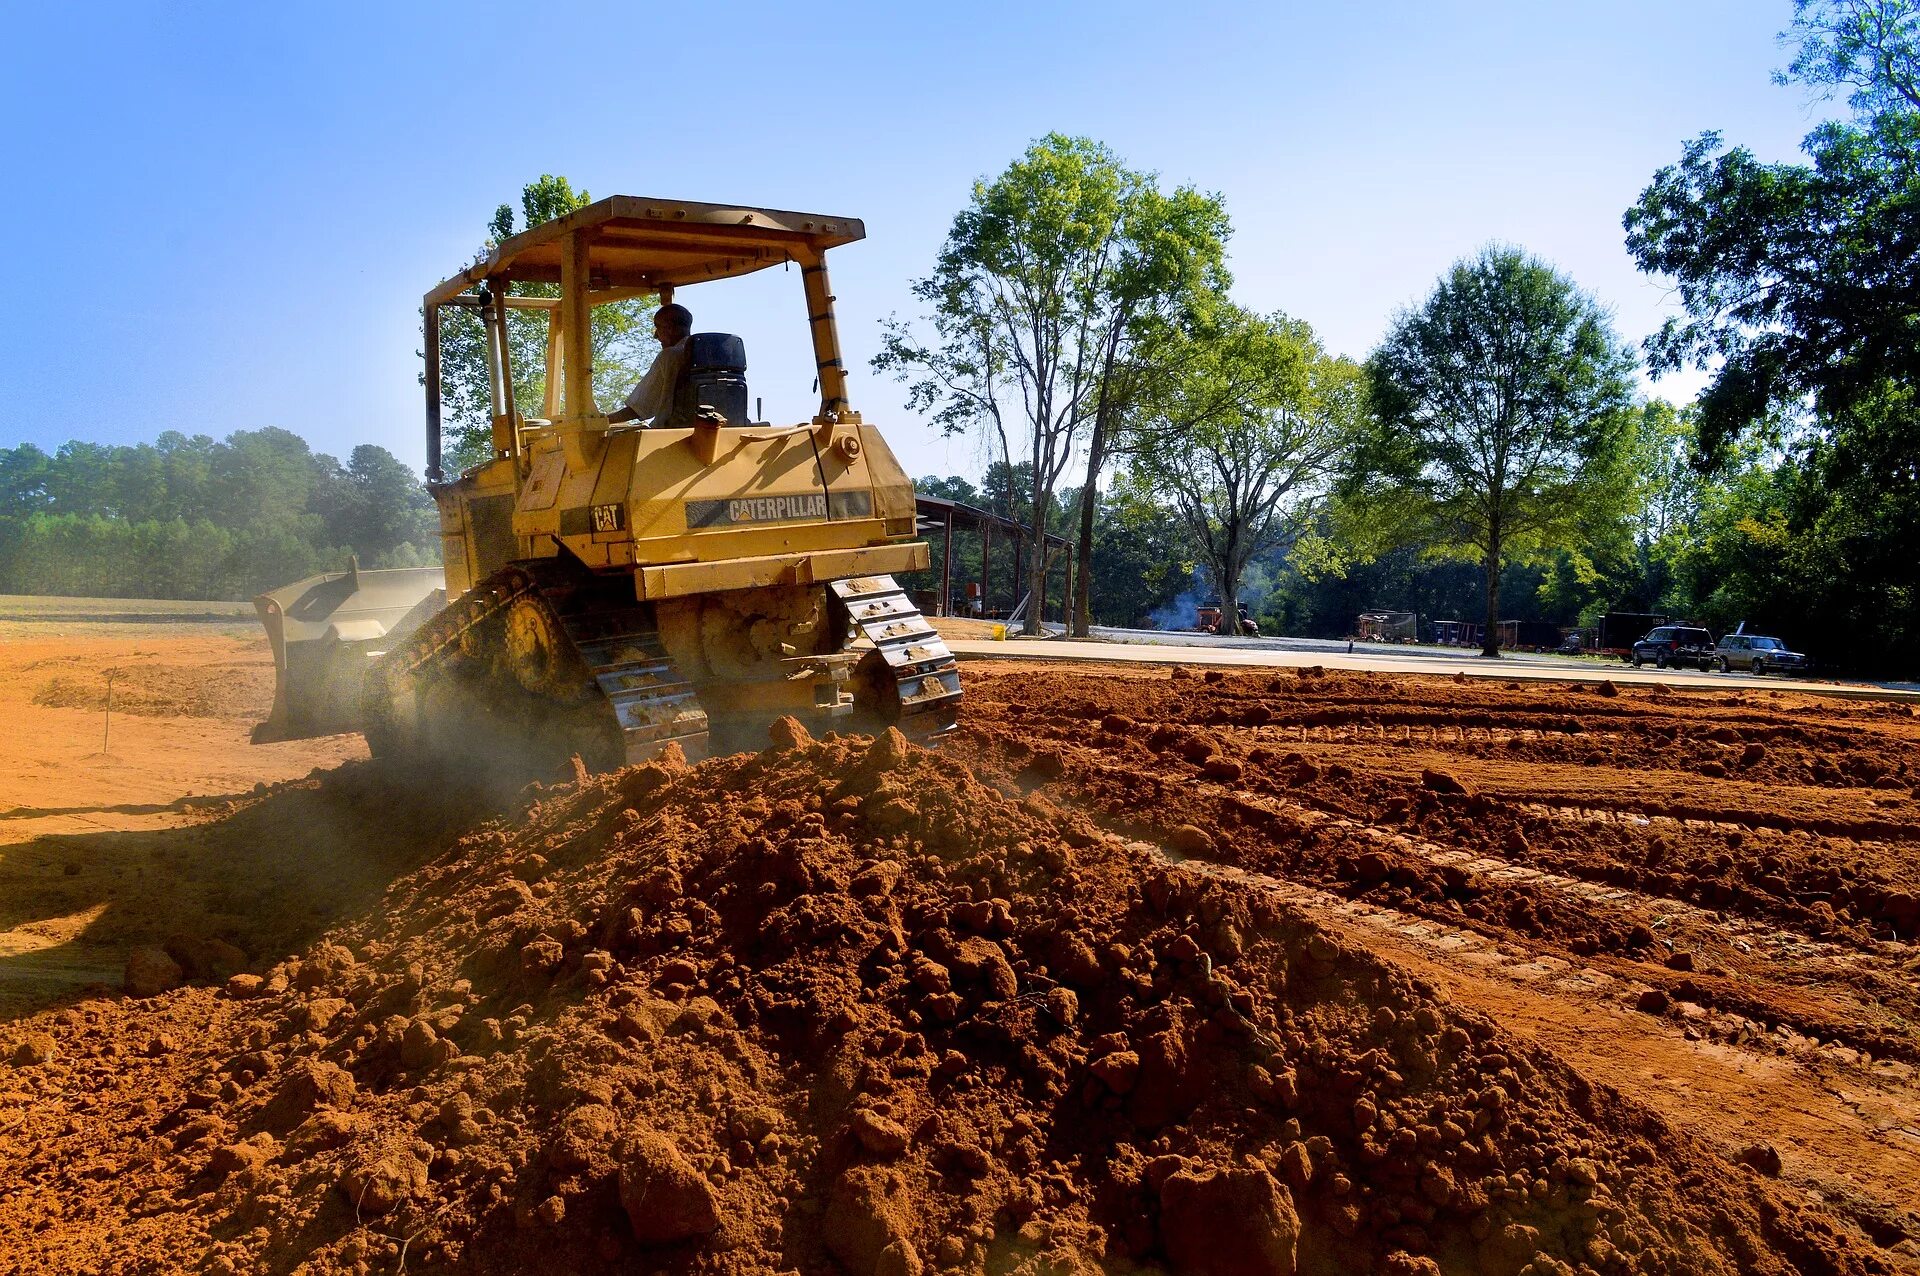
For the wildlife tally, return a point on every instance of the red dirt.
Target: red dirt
(851, 1006)
(1553, 856)
(102, 850)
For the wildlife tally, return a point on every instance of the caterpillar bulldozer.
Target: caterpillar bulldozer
(609, 589)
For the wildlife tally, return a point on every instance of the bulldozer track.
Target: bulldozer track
(653, 703)
(603, 685)
(640, 694)
(925, 675)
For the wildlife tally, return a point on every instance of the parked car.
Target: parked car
(1676, 645)
(1757, 655)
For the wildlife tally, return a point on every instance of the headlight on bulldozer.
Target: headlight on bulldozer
(900, 526)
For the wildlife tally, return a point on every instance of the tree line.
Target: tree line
(191, 517)
(1078, 314)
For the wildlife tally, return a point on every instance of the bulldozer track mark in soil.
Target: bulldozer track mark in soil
(1604, 904)
(1788, 905)
(1710, 1039)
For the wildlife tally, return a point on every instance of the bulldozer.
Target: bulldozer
(609, 590)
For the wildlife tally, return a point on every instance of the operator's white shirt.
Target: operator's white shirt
(653, 397)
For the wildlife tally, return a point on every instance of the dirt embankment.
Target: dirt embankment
(845, 1006)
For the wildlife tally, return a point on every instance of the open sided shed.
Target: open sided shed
(947, 518)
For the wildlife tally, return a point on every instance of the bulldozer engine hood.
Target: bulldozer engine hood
(762, 492)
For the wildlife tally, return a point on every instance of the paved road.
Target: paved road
(1283, 653)
(1321, 646)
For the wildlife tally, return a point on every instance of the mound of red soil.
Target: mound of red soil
(840, 1006)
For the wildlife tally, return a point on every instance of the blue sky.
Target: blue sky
(224, 216)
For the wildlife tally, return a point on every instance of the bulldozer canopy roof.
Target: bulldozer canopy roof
(634, 242)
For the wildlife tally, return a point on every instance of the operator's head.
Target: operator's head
(672, 323)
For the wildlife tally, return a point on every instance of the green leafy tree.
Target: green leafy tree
(1738, 563)
(1314, 602)
(1244, 438)
(24, 475)
(1799, 292)
(1627, 562)
(1142, 560)
(1030, 304)
(1500, 423)
(951, 488)
(1797, 280)
(1663, 523)
(1869, 47)
(1172, 260)
(622, 345)
(376, 505)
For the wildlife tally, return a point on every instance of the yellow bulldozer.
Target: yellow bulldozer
(608, 588)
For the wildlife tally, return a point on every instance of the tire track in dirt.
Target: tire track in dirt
(1327, 838)
(1846, 1133)
(1726, 939)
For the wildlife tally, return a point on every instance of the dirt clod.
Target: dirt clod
(665, 1198)
(150, 971)
(34, 1049)
(789, 733)
(1228, 1222)
(1190, 839)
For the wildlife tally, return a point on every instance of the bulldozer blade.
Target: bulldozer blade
(324, 632)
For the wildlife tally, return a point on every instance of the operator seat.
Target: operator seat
(715, 377)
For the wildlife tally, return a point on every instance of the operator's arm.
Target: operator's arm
(653, 396)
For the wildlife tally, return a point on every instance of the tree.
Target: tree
(952, 488)
(378, 506)
(1141, 561)
(24, 475)
(1871, 47)
(1172, 256)
(621, 336)
(188, 517)
(1041, 280)
(1245, 437)
(1800, 296)
(1500, 419)
(265, 477)
(1797, 281)
(1312, 602)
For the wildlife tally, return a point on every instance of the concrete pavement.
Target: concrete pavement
(1257, 653)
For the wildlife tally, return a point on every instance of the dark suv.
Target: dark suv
(1676, 645)
(1757, 655)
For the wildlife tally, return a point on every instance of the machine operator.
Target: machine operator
(652, 399)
